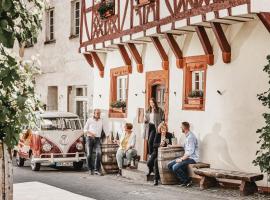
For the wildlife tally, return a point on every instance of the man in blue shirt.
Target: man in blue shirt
(191, 156)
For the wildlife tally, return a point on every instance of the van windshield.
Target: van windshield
(60, 124)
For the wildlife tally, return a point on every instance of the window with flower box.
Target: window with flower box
(119, 92)
(194, 83)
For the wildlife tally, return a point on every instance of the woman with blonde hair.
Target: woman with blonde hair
(162, 139)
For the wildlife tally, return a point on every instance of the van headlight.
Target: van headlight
(79, 146)
(46, 147)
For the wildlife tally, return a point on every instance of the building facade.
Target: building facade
(66, 82)
(201, 60)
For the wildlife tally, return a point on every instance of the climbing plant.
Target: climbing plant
(263, 154)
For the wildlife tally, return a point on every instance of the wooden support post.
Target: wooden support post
(207, 47)
(222, 41)
(265, 18)
(98, 63)
(247, 188)
(89, 59)
(176, 49)
(137, 57)
(125, 56)
(163, 55)
(207, 182)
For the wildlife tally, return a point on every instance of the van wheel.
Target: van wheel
(34, 166)
(78, 165)
(19, 160)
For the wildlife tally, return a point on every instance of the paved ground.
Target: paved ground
(110, 187)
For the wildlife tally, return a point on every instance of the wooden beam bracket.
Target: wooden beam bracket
(162, 53)
(222, 41)
(125, 56)
(265, 18)
(98, 63)
(207, 47)
(89, 59)
(176, 49)
(137, 57)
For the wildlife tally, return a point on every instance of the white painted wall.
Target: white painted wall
(61, 64)
(227, 128)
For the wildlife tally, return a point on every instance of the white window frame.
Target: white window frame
(200, 81)
(50, 25)
(74, 18)
(122, 88)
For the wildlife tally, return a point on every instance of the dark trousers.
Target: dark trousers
(151, 138)
(180, 169)
(152, 164)
(93, 145)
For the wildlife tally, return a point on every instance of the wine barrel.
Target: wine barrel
(108, 158)
(165, 155)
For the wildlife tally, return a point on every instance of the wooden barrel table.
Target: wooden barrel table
(108, 158)
(165, 155)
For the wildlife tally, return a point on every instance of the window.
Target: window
(50, 25)
(75, 18)
(119, 92)
(194, 83)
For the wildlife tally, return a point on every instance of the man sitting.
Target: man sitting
(191, 156)
(126, 147)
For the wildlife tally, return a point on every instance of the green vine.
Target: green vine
(263, 154)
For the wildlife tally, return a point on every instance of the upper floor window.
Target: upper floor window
(75, 18)
(50, 25)
(122, 88)
(197, 80)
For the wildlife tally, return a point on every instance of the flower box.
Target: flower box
(195, 100)
(118, 110)
(144, 2)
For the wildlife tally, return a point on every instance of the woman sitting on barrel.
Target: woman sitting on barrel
(162, 139)
(126, 148)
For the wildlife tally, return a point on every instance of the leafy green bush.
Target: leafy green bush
(195, 94)
(118, 104)
(104, 7)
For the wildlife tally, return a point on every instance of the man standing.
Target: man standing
(191, 156)
(93, 129)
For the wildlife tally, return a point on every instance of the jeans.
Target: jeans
(121, 153)
(152, 164)
(93, 145)
(151, 138)
(180, 169)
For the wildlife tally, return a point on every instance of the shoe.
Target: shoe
(98, 173)
(189, 184)
(155, 182)
(91, 172)
(182, 184)
(149, 173)
(119, 173)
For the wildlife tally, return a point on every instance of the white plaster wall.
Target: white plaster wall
(61, 64)
(227, 128)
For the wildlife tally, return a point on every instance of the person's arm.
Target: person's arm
(86, 128)
(189, 149)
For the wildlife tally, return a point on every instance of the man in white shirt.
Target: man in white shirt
(93, 129)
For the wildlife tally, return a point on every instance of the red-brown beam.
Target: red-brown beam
(176, 49)
(98, 63)
(207, 47)
(137, 57)
(163, 55)
(265, 18)
(89, 59)
(124, 54)
(222, 41)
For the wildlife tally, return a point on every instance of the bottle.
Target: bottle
(117, 136)
(112, 138)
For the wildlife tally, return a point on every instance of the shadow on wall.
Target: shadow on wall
(214, 150)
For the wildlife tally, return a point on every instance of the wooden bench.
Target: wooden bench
(247, 187)
(191, 167)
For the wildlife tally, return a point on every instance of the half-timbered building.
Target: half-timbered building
(201, 59)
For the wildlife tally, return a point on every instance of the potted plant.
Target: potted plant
(118, 106)
(106, 9)
(144, 2)
(195, 97)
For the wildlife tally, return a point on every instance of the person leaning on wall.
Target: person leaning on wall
(126, 148)
(153, 117)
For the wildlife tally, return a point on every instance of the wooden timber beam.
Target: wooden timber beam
(89, 59)
(207, 47)
(125, 56)
(137, 57)
(98, 63)
(265, 18)
(176, 49)
(222, 41)
(162, 53)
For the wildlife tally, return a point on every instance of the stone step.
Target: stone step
(142, 166)
(136, 175)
